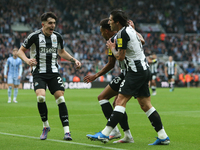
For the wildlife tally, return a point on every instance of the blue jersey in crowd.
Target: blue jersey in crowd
(15, 67)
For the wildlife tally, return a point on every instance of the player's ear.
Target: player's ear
(42, 23)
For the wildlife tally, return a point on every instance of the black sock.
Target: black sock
(115, 118)
(156, 121)
(107, 110)
(124, 122)
(42, 107)
(63, 114)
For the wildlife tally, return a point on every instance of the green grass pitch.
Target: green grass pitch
(21, 126)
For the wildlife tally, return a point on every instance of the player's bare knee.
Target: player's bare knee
(41, 99)
(58, 94)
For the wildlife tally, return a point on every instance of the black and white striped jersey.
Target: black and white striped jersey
(154, 66)
(44, 49)
(135, 59)
(170, 67)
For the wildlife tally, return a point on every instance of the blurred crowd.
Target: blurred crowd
(78, 22)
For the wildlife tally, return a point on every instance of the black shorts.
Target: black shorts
(115, 83)
(171, 76)
(136, 84)
(53, 81)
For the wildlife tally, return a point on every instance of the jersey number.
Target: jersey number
(59, 80)
(122, 84)
(116, 80)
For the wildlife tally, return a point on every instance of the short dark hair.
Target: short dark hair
(47, 15)
(121, 16)
(104, 24)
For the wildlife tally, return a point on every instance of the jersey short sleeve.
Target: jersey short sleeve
(122, 39)
(30, 40)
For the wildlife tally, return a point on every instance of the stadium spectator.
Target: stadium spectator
(182, 79)
(188, 79)
(191, 68)
(79, 23)
(196, 79)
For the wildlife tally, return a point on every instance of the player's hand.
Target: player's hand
(89, 78)
(5, 76)
(78, 64)
(32, 62)
(130, 22)
(19, 77)
(110, 45)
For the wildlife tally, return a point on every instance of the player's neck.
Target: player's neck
(119, 27)
(47, 35)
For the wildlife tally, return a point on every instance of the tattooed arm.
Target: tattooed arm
(120, 54)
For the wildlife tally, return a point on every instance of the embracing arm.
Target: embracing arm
(120, 54)
(141, 38)
(130, 22)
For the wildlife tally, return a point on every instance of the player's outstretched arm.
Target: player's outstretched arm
(62, 53)
(91, 77)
